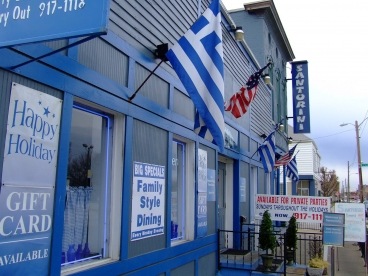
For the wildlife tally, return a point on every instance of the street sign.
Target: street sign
(364, 164)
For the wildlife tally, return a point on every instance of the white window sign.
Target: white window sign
(32, 138)
(148, 201)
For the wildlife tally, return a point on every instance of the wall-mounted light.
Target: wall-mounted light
(267, 78)
(239, 33)
(281, 127)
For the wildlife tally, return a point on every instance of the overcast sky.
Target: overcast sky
(332, 35)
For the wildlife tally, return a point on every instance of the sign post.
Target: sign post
(333, 233)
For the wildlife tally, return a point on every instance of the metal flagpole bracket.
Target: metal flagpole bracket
(160, 53)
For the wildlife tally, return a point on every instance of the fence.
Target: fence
(239, 249)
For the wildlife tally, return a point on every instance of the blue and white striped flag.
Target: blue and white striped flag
(197, 59)
(292, 170)
(267, 153)
(201, 128)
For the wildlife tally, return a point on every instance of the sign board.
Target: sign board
(364, 164)
(34, 21)
(283, 207)
(202, 193)
(300, 86)
(354, 220)
(32, 138)
(27, 198)
(211, 185)
(148, 201)
(333, 229)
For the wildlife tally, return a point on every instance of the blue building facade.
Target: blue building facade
(130, 188)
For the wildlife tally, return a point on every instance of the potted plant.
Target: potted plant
(291, 239)
(267, 240)
(317, 266)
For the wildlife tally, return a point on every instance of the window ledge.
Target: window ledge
(84, 266)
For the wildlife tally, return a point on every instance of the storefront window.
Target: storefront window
(86, 214)
(303, 188)
(178, 191)
(182, 191)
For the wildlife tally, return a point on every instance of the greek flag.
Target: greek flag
(201, 129)
(292, 170)
(197, 59)
(267, 153)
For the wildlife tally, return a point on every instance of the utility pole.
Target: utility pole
(359, 163)
(348, 183)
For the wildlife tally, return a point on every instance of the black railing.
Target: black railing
(239, 249)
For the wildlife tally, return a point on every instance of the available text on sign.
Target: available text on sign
(283, 207)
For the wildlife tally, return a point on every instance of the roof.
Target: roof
(299, 137)
(268, 5)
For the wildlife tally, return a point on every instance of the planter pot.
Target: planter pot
(313, 271)
(267, 260)
(289, 256)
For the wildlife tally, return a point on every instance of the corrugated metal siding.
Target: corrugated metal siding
(105, 59)
(187, 269)
(57, 44)
(183, 105)
(155, 88)
(207, 265)
(159, 21)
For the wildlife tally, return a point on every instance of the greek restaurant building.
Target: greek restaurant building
(96, 183)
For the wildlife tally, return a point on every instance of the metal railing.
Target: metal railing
(239, 249)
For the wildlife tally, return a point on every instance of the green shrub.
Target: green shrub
(267, 238)
(291, 237)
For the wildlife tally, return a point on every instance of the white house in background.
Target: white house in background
(308, 160)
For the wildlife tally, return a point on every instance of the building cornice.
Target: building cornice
(268, 5)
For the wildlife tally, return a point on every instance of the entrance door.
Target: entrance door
(225, 198)
(221, 196)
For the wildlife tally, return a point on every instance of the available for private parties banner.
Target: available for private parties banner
(28, 181)
(283, 207)
(148, 201)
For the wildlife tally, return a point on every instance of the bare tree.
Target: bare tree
(78, 170)
(329, 182)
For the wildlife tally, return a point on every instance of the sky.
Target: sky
(332, 35)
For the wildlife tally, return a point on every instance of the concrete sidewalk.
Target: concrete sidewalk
(348, 261)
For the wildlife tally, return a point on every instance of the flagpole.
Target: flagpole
(139, 88)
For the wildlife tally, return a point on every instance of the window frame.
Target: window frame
(113, 175)
(189, 190)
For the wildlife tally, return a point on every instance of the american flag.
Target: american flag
(292, 170)
(239, 103)
(197, 59)
(267, 152)
(285, 159)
